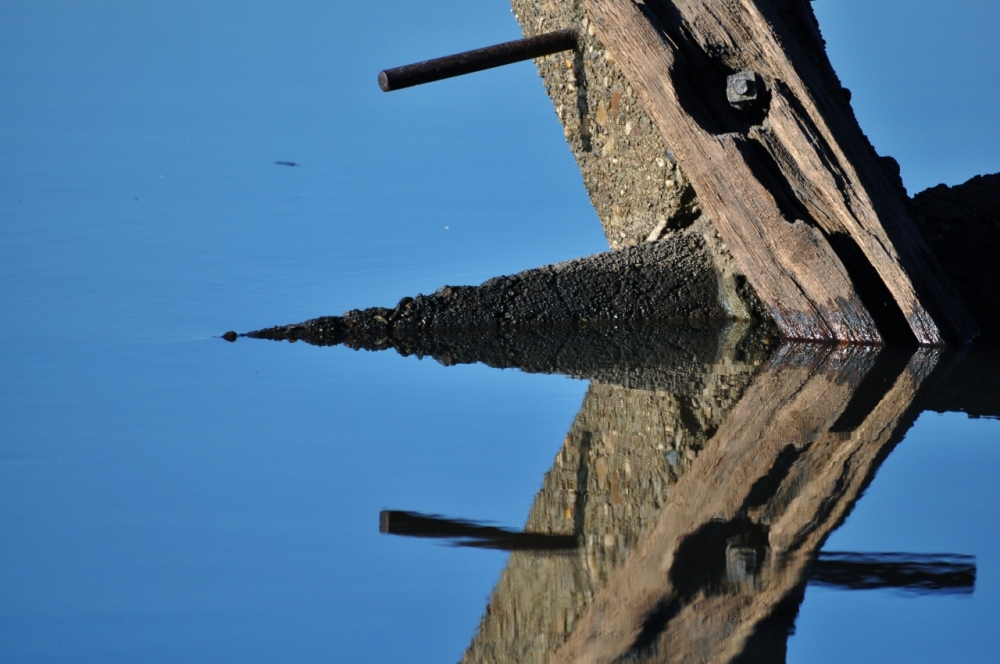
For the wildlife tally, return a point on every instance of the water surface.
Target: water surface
(165, 496)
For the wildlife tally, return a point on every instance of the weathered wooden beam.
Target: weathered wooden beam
(790, 181)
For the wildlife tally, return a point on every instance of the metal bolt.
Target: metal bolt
(742, 88)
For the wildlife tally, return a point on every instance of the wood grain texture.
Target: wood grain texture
(793, 187)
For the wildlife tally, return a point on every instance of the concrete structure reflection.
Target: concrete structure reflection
(699, 510)
(684, 515)
(720, 575)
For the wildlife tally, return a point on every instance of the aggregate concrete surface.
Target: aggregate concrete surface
(673, 281)
(668, 265)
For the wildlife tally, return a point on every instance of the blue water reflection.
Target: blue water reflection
(202, 502)
(165, 496)
(936, 492)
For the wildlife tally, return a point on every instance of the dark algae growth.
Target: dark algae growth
(671, 281)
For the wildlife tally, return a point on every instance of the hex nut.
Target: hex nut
(743, 88)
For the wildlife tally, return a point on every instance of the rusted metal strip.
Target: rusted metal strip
(477, 60)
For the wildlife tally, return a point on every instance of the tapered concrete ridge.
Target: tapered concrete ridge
(678, 280)
(773, 208)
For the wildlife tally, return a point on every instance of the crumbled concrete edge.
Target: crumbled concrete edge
(673, 282)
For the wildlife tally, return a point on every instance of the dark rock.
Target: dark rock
(962, 226)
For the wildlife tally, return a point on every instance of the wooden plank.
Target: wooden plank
(826, 159)
(796, 192)
(792, 267)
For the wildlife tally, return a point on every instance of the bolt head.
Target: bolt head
(742, 88)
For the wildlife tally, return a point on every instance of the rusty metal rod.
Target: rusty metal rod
(478, 60)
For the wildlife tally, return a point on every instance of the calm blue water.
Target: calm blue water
(165, 496)
(936, 493)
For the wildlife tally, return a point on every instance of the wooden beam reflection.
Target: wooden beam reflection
(734, 545)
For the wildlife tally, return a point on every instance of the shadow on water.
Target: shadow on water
(696, 487)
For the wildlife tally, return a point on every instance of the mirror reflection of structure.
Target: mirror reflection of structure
(684, 515)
